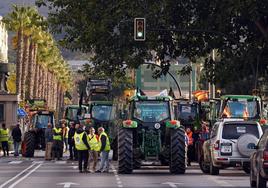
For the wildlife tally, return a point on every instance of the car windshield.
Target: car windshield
(234, 131)
(240, 109)
(42, 120)
(151, 111)
(102, 112)
(72, 113)
(187, 112)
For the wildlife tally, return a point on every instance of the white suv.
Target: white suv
(231, 144)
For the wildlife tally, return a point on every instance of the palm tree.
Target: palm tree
(16, 21)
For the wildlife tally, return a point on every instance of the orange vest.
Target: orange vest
(190, 138)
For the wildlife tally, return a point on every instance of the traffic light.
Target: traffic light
(139, 29)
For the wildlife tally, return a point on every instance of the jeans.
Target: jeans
(73, 152)
(16, 148)
(104, 165)
(5, 148)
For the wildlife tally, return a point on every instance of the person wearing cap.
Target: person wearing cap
(49, 141)
(104, 150)
(82, 147)
(94, 147)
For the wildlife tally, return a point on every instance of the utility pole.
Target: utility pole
(190, 84)
(211, 86)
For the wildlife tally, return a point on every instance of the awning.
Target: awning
(21, 112)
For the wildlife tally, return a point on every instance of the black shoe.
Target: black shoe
(80, 171)
(97, 171)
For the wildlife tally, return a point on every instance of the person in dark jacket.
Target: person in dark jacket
(16, 135)
(72, 150)
(49, 142)
(82, 147)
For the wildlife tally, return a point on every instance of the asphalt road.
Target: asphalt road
(37, 173)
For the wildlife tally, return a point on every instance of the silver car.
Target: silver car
(231, 143)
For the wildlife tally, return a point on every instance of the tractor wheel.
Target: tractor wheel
(115, 149)
(29, 144)
(177, 163)
(137, 159)
(125, 151)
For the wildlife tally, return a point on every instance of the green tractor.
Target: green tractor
(149, 135)
(39, 117)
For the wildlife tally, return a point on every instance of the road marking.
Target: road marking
(38, 162)
(118, 180)
(220, 182)
(60, 162)
(15, 162)
(7, 182)
(172, 184)
(67, 184)
(74, 167)
(25, 176)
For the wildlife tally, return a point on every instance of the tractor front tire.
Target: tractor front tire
(177, 163)
(29, 141)
(125, 151)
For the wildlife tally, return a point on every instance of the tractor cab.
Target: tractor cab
(73, 113)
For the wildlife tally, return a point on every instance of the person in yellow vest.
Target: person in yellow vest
(82, 146)
(57, 142)
(65, 130)
(4, 135)
(104, 150)
(94, 148)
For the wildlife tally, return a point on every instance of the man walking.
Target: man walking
(57, 142)
(4, 135)
(104, 149)
(16, 135)
(82, 147)
(49, 141)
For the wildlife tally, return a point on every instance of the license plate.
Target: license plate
(226, 148)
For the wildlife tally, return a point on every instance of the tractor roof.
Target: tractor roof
(239, 97)
(100, 103)
(148, 98)
(74, 106)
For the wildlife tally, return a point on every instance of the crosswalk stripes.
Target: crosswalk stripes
(15, 162)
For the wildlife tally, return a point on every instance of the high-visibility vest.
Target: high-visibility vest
(67, 132)
(190, 138)
(94, 143)
(78, 140)
(57, 137)
(107, 147)
(4, 135)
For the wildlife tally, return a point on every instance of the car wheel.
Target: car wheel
(252, 178)
(214, 170)
(261, 182)
(203, 166)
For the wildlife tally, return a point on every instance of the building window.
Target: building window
(2, 112)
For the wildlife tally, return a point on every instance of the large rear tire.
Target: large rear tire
(177, 163)
(125, 151)
(115, 149)
(29, 141)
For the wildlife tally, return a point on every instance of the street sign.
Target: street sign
(139, 29)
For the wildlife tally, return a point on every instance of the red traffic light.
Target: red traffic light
(139, 29)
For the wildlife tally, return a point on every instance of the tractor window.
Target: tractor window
(72, 113)
(151, 111)
(187, 112)
(102, 112)
(240, 109)
(43, 120)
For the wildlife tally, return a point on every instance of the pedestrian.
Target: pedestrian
(94, 148)
(4, 135)
(72, 150)
(104, 150)
(49, 141)
(65, 131)
(82, 147)
(190, 154)
(57, 142)
(16, 135)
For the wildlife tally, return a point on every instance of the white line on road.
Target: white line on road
(7, 182)
(15, 162)
(118, 180)
(25, 176)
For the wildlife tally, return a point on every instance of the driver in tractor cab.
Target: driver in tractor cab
(226, 112)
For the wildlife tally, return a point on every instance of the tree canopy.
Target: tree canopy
(191, 28)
